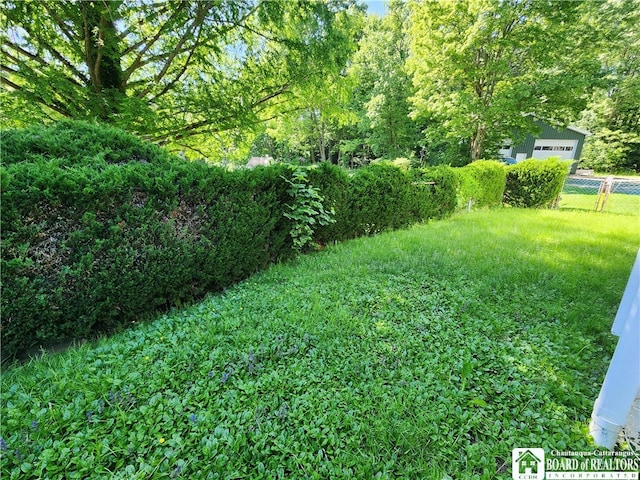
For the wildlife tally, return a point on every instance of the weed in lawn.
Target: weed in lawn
(416, 354)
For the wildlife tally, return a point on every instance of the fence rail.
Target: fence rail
(601, 194)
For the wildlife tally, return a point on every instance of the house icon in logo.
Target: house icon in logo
(527, 463)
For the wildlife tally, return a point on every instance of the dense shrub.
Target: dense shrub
(90, 246)
(380, 199)
(334, 184)
(381, 196)
(534, 183)
(97, 235)
(482, 182)
(614, 151)
(437, 187)
(306, 211)
(81, 256)
(75, 143)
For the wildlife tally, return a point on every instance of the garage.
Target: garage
(549, 141)
(545, 148)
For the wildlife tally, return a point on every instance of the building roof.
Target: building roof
(579, 130)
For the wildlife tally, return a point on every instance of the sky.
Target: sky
(377, 7)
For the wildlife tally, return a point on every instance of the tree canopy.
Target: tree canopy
(436, 81)
(383, 86)
(171, 71)
(480, 66)
(613, 113)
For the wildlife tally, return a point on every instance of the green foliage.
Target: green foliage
(307, 210)
(178, 73)
(381, 90)
(97, 235)
(482, 182)
(74, 143)
(334, 184)
(478, 66)
(418, 365)
(90, 246)
(380, 196)
(613, 115)
(534, 183)
(438, 186)
(385, 197)
(402, 163)
(612, 151)
(470, 188)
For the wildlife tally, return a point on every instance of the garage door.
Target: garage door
(545, 148)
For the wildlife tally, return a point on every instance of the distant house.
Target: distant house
(259, 162)
(551, 142)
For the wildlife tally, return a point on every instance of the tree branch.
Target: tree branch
(148, 18)
(21, 64)
(196, 24)
(60, 23)
(26, 53)
(87, 48)
(43, 62)
(189, 147)
(170, 57)
(53, 105)
(137, 63)
(5, 80)
(170, 85)
(195, 127)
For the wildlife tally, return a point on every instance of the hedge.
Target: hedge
(77, 143)
(82, 256)
(100, 234)
(437, 187)
(482, 182)
(534, 183)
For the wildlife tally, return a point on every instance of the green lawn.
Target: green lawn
(425, 353)
(618, 203)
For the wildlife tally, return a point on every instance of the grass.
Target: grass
(618, 203)
(425, 353)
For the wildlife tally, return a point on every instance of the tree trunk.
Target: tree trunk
(103, 58)
(476, 147)
(322, 143)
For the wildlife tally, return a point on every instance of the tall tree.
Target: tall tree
(383, 86)
(480, 65)
(613, 115)
(310, 130)
(172, 71)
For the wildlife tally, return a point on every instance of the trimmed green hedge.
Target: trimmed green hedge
(334, 185)
(379, 199)
(534, 183)
(77, 143)
(89, 250)
(437, 188)
(483, 182)
(99, 234)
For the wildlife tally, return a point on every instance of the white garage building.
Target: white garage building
(550, 142)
